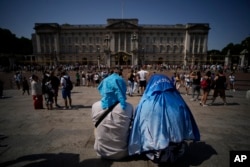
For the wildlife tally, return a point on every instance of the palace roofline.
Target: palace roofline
(134, 21)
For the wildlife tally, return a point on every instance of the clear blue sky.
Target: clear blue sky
(229, 20)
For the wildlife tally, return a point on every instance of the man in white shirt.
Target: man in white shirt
(142, 74)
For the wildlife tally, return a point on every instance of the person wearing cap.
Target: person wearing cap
(66, 93)
(111, 135)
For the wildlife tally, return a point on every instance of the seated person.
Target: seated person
(162, 122)
(111, 135)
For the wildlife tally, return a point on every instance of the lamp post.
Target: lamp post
(134, 39)
(142, 57)
(107, 40)
(210, 58)
(51, 59)
(55, 58)
(98, 58)
(193, 59)
(76, 47)
(185, 62)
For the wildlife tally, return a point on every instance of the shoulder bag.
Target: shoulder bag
(105, 114)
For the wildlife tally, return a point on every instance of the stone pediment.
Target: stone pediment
(46, 26)
(196, 26)
(122, 25)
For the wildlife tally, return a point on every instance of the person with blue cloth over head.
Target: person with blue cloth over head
(112, 117)
(162, 122)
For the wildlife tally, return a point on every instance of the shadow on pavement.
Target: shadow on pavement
(222, 104)
(2, 138)
(48, 160)
(74, 107)
(6, 97)
(197, 152)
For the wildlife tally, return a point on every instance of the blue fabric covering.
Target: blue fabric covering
(162, 116)
(112, 89)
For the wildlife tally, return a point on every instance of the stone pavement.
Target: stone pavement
(59, 137)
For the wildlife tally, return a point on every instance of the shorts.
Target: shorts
(48, 98)
(143, 84)
(220, 92)
(55, 91)
(66, 93)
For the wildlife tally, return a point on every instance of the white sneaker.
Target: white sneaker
(201, 103)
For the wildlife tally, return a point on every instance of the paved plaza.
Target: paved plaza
(59, 137)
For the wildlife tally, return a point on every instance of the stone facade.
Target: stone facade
(120, 42)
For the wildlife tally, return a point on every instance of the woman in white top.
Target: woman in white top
(36, 92)
(232, 81)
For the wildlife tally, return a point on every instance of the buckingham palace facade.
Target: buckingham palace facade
(120, 42)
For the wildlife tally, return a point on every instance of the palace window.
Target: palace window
(181, 49)
(83, 49)
(161, 39)
(175, 49)
(91, 49)
(161, 49)
(167, 39)
(181, 40)
(97, 40)
(154, 39)
(154, 49)
(69, 40)
(168, 49)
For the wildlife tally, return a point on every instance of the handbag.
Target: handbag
(105, 114)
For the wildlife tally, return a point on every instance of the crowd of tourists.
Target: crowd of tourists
(135, 80)
(211, 82)
(145, 129)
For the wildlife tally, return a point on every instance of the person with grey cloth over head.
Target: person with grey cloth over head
(112, 131)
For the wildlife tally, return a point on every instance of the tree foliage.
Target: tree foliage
(10, 44)
(235, 49)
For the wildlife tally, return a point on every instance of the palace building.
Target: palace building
(120, 42)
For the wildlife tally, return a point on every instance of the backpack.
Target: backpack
(69, 85)
(49, 89)
(204, 83)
